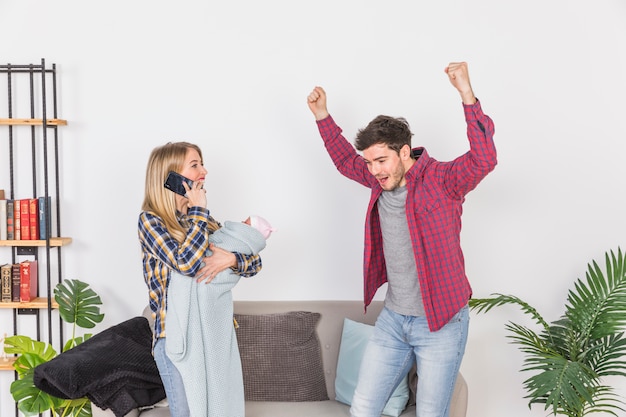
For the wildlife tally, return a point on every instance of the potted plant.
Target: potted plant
(79, 305)
(570, 357)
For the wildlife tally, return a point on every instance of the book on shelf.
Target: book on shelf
(33, 214)
(24, 219)
(44, 209)
(3, 219)
(28, 280)
(5, 281)
(15, 282)
(17, 220)
(1, 194)
(10, 225)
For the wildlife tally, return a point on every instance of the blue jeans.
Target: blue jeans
(396, 343)
(172, 381)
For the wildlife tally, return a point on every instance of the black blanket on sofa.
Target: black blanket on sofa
(114, 369)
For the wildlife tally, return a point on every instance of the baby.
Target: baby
(260, 224)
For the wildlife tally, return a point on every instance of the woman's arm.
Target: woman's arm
(184, 258)
(221, 259)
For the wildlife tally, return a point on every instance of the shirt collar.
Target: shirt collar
(418, 167)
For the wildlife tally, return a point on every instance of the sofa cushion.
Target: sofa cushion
(354, 339)
(329, 408)
(281, 357)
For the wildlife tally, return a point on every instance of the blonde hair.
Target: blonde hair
(159, 200)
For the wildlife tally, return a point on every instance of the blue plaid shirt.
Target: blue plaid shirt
(162, 254)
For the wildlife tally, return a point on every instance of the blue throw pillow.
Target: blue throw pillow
(354, 338)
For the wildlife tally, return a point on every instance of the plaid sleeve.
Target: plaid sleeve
(346, 159)
(185, 258)
(464, 173)
(248, 265)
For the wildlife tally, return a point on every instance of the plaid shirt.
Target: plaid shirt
(435, 194)
(162, 254)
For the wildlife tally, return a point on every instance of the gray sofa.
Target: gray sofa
(329, 330)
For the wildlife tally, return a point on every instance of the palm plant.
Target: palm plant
(78, 304)
(571, 356)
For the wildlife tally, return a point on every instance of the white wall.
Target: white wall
(234, 76)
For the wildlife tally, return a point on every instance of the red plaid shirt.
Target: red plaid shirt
(435, 194)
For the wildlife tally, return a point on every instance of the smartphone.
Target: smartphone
(174, 182)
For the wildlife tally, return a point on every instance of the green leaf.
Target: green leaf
(80, 407)
(78, 303)
(597, 306)
(24, 344)
(32, 352)
(71, 343)
(485, 304)
(27, 362)
(30, 399)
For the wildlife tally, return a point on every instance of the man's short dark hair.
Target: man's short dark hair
(392, 131)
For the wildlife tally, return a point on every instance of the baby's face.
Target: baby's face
(247, 221)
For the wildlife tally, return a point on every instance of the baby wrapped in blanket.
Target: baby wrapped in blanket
(201, 315)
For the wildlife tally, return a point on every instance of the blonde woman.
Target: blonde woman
(174, 236)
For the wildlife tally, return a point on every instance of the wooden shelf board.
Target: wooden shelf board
(32, 122)
(39, 302)
(54, 241)
(6, 364)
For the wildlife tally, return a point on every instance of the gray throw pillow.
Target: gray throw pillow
(281, 357)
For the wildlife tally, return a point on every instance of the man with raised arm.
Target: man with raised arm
(412, 243)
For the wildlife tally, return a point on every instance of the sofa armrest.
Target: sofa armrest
(458, 403)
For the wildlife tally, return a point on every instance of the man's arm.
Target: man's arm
(459, 77)
(342, 153)
(317, 103)
(465, 172)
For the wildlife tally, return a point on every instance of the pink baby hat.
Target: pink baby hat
(262, 225)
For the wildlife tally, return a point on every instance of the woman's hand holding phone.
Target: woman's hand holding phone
(196, 195)
(189, 193)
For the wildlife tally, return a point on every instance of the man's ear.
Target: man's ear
(405, 152)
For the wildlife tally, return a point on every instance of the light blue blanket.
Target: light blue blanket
(200, 316)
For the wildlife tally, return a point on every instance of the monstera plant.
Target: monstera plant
(571, 357)
(78, 305)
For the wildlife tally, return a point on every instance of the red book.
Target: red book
(17, 229)
(25, 219)
(33, 215)
(28, 280)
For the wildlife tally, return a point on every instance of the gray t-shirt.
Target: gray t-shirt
(403, 289)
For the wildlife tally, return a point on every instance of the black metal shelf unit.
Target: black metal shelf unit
(31, 116)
